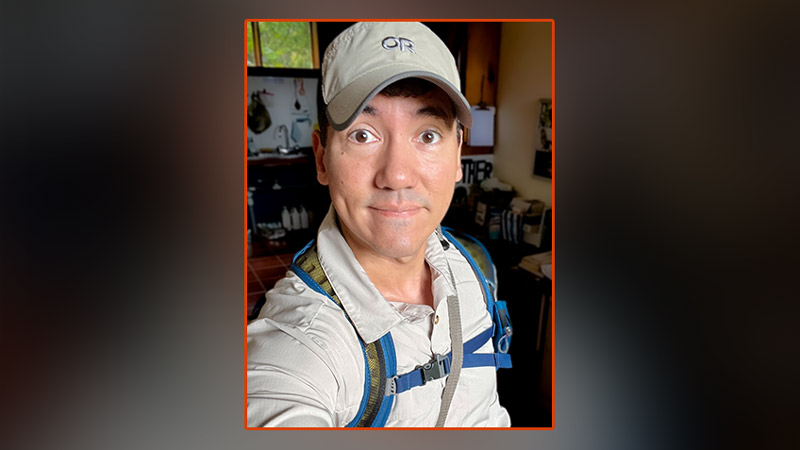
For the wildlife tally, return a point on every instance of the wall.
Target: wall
(523, 78)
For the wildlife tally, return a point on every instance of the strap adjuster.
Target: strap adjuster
(391, 386)
(434, 369)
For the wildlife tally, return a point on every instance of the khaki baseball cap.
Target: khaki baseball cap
(368, 56)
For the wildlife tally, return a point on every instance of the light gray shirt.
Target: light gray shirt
(305, 366)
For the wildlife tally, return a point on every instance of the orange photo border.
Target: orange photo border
(552, 218)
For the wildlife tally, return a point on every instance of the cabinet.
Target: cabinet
(275, 183)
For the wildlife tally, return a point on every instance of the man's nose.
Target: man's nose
(397, 165)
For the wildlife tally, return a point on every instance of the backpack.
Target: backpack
(382, 382)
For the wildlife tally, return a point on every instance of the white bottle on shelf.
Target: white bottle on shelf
(286, 218)
(295, 219)
(303, 217)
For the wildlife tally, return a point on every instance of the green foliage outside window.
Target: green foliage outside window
(251, 58)
(283, 44)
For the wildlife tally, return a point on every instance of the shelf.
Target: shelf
(280, 161)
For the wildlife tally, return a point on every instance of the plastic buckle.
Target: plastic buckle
(434, 369)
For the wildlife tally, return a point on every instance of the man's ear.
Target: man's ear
(459, 172)
(319, 157)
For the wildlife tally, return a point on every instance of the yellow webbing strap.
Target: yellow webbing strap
(309, 263)
(477, 252)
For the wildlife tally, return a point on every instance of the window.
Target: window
(282, 44)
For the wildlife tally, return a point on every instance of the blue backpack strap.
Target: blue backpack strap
(480, 261)
(381, 379)
(379, 356)
(439, 366)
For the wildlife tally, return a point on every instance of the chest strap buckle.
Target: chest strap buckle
(436, 368)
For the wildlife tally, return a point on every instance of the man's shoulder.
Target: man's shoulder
(292, 302)
(302, 314)
(301, 321)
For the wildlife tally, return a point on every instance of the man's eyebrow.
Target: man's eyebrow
(435, 111)
(431, 111)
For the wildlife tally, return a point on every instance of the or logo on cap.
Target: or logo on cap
(391, 43)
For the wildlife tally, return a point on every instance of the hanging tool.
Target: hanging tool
(296, 100)
(482, 104)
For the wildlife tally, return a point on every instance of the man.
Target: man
(389, 150)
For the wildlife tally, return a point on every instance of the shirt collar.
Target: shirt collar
(372, 315)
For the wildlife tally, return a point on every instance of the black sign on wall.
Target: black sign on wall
(476, 169)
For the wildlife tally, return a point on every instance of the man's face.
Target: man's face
(391, 174)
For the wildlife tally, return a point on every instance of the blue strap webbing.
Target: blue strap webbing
(497, 309)
(477, 342)
(471, 359)
(391, 370)
(485, 287)
(363, 406)
(414, 378)
(384, 350)
(498, 360)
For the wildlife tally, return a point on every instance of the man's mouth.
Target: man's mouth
(399, 211)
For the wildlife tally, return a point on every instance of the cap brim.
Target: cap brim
(348, 104)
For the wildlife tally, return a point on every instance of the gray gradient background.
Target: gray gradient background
(123, 280)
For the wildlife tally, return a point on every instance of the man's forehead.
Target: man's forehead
(433, 104)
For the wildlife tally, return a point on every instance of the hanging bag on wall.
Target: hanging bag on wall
(258, 118)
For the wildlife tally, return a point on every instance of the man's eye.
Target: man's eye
(362, 137)
(429, 137)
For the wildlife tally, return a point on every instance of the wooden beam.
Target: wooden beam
(314, 45)
(256, 43)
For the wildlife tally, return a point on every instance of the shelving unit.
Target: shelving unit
(277, 161)
(269, 260)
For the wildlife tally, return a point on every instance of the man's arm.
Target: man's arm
(289, 383)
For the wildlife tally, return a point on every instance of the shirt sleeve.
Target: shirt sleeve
(498, 416)
(290, 383)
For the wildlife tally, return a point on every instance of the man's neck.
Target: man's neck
(406, 280)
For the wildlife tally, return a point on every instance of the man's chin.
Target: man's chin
(397, 242)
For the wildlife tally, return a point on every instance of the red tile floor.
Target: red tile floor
(262, 273)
